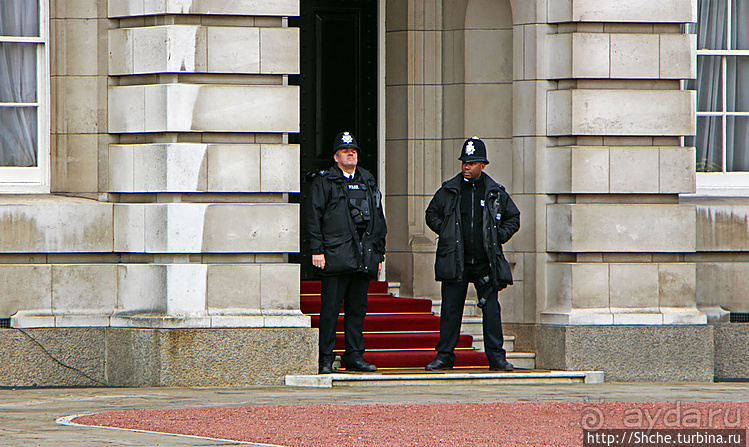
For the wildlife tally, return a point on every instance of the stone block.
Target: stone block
(127, 108)
(218, 7)
(634, 286)
(620, 228)
(674, 353)
(40, 359)
(244, 228)
(204, 108)
(559, 47)
(235, 167)
(722, 228)
(279, 50)
(233, 50)
(25, 287)
(678, 54)
(80, 100)
(234, 289)
(578, 286)
(280, 168)
(75, 47)
(591, 169)
(591, 55)
(731, 339)
(488, 45)
(84, 289)
(279, 288)
(174, 167)
(77, 9)
(677, 285)
(51, 224)
(186, 289)
(529, 108)
(634, 170)
(632, 11)
(141, 289)
(397, 57)
(676, 170)
(489, 110)
(635, 56)
(723, 284)
(129, 228)
(75, 163)
(621, 112)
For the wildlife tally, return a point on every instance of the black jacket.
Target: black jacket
(501, 220)
(332, 230)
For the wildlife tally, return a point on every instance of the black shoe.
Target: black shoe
(360, 365)
(326, 366)
(503, 365)
(438, 365)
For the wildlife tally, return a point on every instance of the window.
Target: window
(24, 97)
(722, 85)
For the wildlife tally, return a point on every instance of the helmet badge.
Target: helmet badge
(469, 148)
(347, 138)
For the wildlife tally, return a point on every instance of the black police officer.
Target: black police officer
(473, 216)
(347, 232)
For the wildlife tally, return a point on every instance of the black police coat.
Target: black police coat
(332, 230)
(500, 221)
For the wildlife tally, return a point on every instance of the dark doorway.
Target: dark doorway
(338, 84)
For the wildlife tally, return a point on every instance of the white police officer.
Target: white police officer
(347, 232)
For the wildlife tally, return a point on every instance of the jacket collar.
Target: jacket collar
(454, 183)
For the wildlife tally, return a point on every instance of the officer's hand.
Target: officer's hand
(379, 268)
(318, 261)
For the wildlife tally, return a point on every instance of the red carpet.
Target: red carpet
(398, 332)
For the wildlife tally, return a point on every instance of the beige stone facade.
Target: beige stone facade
(171, 168)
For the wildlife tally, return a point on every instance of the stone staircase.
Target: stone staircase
(400, 335)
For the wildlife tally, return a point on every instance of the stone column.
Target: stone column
(414, 139)
(614, 164)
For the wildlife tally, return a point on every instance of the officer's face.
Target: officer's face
(472, 170)
(347, 158)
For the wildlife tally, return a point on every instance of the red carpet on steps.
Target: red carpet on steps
(398, 332)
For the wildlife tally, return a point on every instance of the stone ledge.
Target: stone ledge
(92, 357)
(445, 379)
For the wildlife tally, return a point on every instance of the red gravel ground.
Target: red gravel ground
(491, 424)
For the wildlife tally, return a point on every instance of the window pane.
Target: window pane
(737, 157)
(709, 144)
(18, 72)
(711, 28)
(18, 136)
(738, 84)
(740, 25)
(708, 84)
(19, 18)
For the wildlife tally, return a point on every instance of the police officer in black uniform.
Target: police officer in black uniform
(473, 216)
(347, 239)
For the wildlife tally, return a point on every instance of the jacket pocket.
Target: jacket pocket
(340, 257)
(503, 271)
(446, 264)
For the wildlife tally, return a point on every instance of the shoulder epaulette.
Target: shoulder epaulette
(311, 176)
(501, 187)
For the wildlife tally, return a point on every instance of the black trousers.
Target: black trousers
(453, 301)
(350, 291)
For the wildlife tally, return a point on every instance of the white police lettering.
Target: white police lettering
(346, 138)
(469, 148)
(353, 186)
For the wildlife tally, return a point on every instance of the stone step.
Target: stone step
(450, 378)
